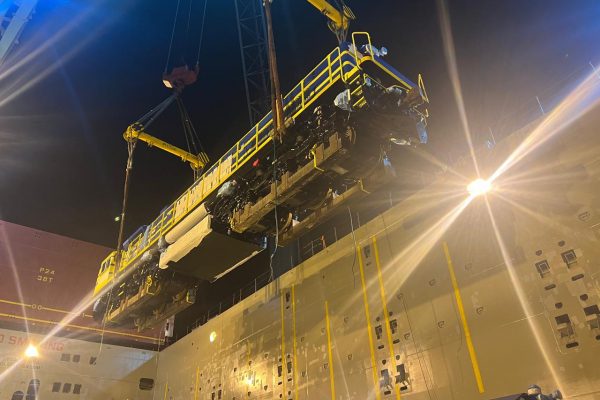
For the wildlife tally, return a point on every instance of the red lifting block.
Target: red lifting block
(180, 77)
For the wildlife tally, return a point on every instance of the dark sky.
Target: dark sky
(84, 70)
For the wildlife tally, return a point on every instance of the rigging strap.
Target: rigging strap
(187, 31)
(201, 32)
(172, 35)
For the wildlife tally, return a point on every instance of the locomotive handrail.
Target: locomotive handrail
(338, 64)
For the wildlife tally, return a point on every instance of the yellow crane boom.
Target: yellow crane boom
(340, 19)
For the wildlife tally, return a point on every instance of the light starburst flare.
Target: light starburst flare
(479, 187)
(32, 351)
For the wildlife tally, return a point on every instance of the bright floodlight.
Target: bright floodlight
(479, 187)
(31, 352)
(213, 336)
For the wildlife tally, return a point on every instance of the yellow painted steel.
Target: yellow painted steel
(314, 157)
(388, 330)
(369, 327)
(354, 36)
(106, 273)
(329, 352)
(283, 361)
(463, 320)
(196, 384)
(339, 65)
(294, 342)
(369, 57)
(362, 187)
(166, 391)
(387, 70)
(422, 87)
(318, 80)
(339, 20)
(197, 162)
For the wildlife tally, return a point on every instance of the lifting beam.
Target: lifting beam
(136, 132)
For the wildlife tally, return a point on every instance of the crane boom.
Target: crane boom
(339, 19)
(14, 15)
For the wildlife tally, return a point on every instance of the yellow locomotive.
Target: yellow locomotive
(341, 120)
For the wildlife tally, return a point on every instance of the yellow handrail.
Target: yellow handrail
(337, 65)
(307, 91)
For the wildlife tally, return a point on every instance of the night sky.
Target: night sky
(85, 70)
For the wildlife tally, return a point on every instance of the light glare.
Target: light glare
(479, 187)
(213, 336)
(31, 352)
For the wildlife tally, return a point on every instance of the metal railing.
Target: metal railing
(226, 303)
(528, 108)
(336, 65)
(528, 112)
(340, 64)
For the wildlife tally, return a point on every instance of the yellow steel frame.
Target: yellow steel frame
(107, 271)
(369, 57)
(197, 162)
(338, 65)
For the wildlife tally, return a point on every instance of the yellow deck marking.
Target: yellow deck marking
(283, 361)
(329, 352)
(294, 343)
(385, 313)
(369, 328)
(249, 352)
(43, 308)
(463, 320)
(166, 390)
(87, 328)
(15, 303)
